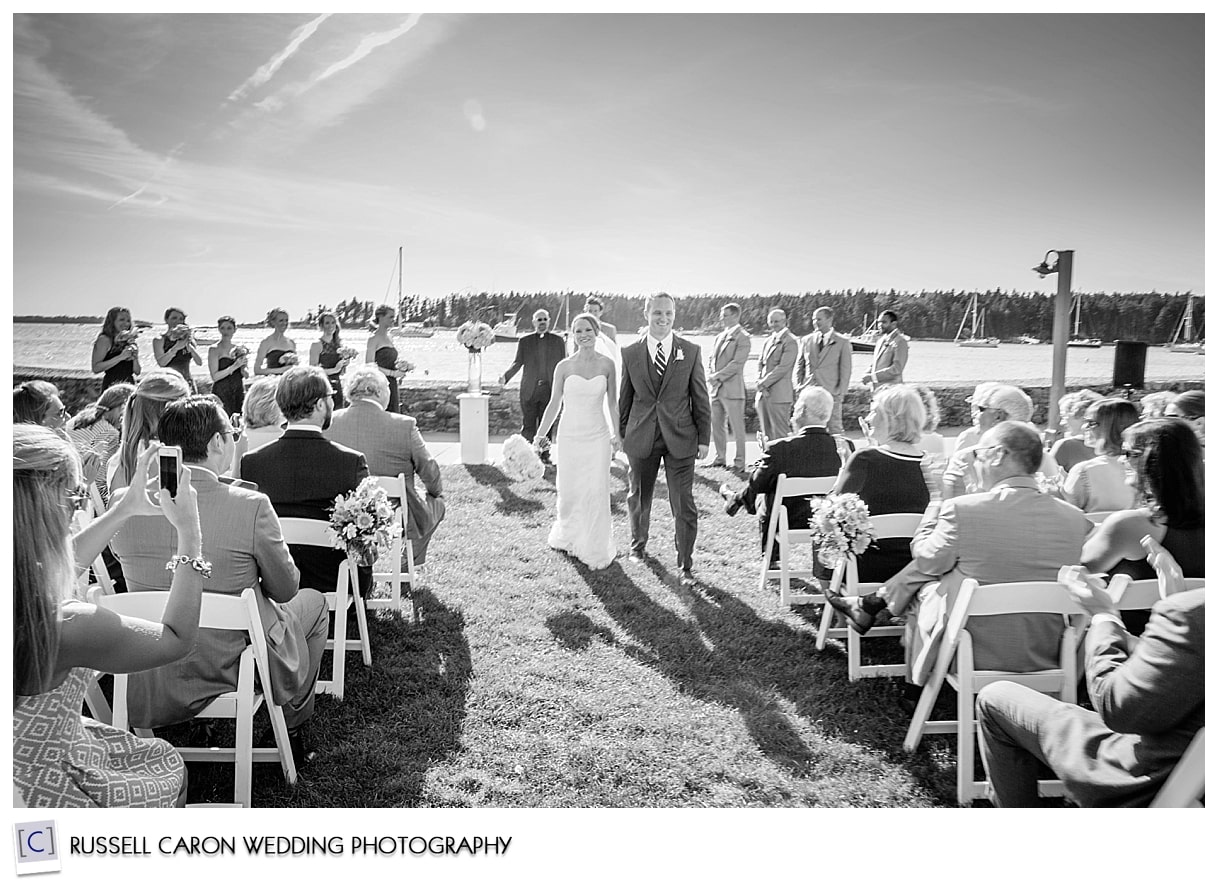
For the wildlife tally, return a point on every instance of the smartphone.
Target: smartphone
(171, 464)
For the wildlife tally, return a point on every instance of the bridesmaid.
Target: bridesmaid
(227, 365)
(176, 352)
(272, 350)
(115, 356)
(383, 353)
(324, 354)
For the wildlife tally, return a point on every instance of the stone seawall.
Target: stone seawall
(434, 403)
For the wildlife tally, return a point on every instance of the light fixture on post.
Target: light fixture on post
(1062, 264)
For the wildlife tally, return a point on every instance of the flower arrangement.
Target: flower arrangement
(475, 336)
(404, 365)
(841, 526)
(288, 359)
(127, 337)
(520, 461)
(347, 353)
(364, 519)
(240, 352)
(180, 333)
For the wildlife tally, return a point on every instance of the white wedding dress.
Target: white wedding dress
(583, 527)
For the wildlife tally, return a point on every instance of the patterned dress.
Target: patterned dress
(62, 759)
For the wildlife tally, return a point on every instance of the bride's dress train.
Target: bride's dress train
(583, 527)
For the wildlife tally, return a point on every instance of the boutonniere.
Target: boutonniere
(680, 356)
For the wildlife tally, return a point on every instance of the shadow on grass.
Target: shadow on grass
(399, 718)
(510, 502)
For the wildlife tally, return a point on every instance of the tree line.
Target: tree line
(1150, 317)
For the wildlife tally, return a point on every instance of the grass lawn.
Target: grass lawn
(529, 680)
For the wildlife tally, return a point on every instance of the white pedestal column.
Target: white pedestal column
(475, 427)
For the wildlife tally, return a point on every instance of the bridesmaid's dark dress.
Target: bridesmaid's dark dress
(386, 358)
(275, 356)
(123, 372)
(180, 362)
(329, 359)
(231, 389)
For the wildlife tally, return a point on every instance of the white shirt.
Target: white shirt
(652, 343)
(303, 427)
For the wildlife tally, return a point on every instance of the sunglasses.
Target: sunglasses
(1131, 452)
(982, 408)
(977, 451)
(1090, 424)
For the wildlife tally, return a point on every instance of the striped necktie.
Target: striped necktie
(661, 362)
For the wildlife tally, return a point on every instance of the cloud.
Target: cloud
(264, 73)
(367, 44)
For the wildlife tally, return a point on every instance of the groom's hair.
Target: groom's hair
(657, 296)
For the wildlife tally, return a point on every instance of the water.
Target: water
(441, 358)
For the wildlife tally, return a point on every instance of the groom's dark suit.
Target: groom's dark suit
(664, 419)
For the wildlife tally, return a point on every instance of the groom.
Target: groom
(665, 415)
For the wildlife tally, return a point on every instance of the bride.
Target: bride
(583, 384)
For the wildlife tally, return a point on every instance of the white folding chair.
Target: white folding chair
(228, 613)
(388, 570)
(1185, 786)
(989, 600)
(1098, 517)
(889, 526)
(779, 528)
(306, 531)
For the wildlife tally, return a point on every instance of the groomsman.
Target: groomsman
(891, 353)
(825, 360)
(725, 380)
(775, 393)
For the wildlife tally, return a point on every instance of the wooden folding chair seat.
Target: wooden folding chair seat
(228, 613)
(846, 574)
(957, 645)
(780, 528)
(306, 531)
(388, 569)
(1185, 786)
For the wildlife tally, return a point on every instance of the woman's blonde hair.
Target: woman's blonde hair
(143, 412)
(903, 408)
(260, 409)
(45, 468)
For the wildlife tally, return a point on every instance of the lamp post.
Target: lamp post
(1063, 265)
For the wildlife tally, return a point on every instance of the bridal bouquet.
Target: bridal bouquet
(180, 333)
(239, 352)
(841, 526)
(520, 461)
(475, 336)
(288, 359)
(403, 365)
(125, 338)
(347, 353)
(364, 521)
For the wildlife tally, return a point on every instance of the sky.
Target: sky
(231, 163)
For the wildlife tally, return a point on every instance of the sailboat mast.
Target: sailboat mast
(399, 277)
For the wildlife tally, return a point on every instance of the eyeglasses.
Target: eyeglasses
(1090, 424)
(977, 451)
(1131, 452)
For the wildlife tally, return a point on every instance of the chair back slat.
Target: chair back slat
(219, 612)
(307, 531)
(902, 525)
(789, 486)
(1022, 597)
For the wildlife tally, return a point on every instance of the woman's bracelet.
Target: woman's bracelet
(198, 564)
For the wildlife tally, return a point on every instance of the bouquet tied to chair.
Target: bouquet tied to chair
(841, 527)
(364, 522)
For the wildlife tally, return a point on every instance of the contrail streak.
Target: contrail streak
(264, 73)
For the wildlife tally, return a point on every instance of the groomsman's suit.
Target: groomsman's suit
(826, 362)
(725, 379)
(538, 354)
(888, 360)
(663, 417)
(774, 370)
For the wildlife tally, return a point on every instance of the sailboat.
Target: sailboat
(1077, 339)
(1184, 339)
(506, 331)
(866, 340)
(976, 338)
(412, 329)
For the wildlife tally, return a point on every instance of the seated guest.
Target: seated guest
(302, 471)
(973, 433)
(1008, 532)
(1169, 504)
(141, 414)
(810, 452)
(37, 402)
(262, 421)
(932, 442)
(891, 476)
(1149, 701)
(1189, 406)
(60, 758)
(95, 433)
(1071, 448)
(245, 545)
(393, 445)
(997, 403)
(1098, 484)
(1154, 405)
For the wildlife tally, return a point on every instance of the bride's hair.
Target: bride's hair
(592, 320)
